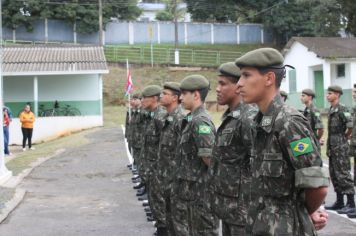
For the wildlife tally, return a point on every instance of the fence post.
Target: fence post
(185, 34)
(218, 58)
(212, 33)
(158, 33)
(46, 30)
(262, 36)
(131, 34)
(238, 34)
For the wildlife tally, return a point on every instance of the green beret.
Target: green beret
(151, 90)
(262, 57)
(194, 82)
(336, 89)
(229, 69)
(136, 95)
(172, 86)
(309, 92)
(283, 93)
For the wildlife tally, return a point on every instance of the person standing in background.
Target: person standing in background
(27, 118)
(6, 123)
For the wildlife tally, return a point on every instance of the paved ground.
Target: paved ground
(87, 191)
(83, 191)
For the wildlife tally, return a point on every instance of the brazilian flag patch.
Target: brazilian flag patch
(204, 129)
(301, 146)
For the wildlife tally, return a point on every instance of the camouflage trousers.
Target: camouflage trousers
(191, 212)
(136, 156)
(339, 168)
(160, 198)
(232, 211)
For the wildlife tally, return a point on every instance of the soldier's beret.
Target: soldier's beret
(336, 89)
(308, 92)
(136, 95)
(194, 82)
(262, 57)
(283, 93)
(229, 69)
(172, 86)
(151, 90)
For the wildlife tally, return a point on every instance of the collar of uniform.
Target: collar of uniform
(334, 109)
(236, 112)
(197, 111)
(266, 121)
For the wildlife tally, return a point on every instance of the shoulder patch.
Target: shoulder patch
(204, 129)
(235, 114)
(301, 146)
(347, 114)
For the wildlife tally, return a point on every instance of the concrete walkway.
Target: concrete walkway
(83, 191)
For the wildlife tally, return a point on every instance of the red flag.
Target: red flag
(129, 85)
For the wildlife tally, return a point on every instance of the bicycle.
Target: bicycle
(62, 111)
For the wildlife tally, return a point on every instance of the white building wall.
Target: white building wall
(302, 59)
(48, 128)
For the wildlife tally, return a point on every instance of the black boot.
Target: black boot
(162, 231)
(338, 204)
(350, 205)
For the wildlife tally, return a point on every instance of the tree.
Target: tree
(295, 18)
(170, 11)
(211, 11)
(348, 9)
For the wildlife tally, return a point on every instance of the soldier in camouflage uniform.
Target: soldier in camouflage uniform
(312, 114)
(190, 206)
(128, 132)
(339, 130)
(167, 162)
(231, 154)
(151, 135)
(288, 184)
(353, 144)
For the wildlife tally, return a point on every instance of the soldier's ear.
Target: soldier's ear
(270, 78)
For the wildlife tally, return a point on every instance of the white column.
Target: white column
(35, 95)
(103, 36)
(185, 34)
(158, 33)
(326, 74)
(131, 34)
(5, 174)
(176, 57)
(100, 85)
(352, 73)
(46, 30)
(212, 33)
(262, 36)
(75, 32)
(238, 34)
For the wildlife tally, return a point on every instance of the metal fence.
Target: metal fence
(148, 55)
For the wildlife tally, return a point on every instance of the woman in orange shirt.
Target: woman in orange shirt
(27, 118)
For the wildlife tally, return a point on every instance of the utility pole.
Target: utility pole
(101, 23)
(176, 51)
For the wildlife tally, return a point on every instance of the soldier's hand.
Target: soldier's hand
(319, 218)
(321, 141)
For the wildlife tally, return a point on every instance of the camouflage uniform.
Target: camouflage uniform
(150, 150)
(314, 118)
(166, 167)
(339, 119)
(353, 142)
(128, 128)
(137, 126)
(231, 173)
(190, 206)
(287, 162)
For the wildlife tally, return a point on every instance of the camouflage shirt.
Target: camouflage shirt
(152, 133)
(232, 151)
(167, 161)
(339, 119)
(314, 118)
(196, 142)
(353, 138)
(287, 161)
(137, 123)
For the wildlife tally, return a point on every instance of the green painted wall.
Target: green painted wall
(85, 107)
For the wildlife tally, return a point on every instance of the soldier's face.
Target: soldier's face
(354, 93)
(167, 97)
(305, 98)
(149, 102)
(252, 84)
(226, 91)
(332, 96)
(187, 99)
